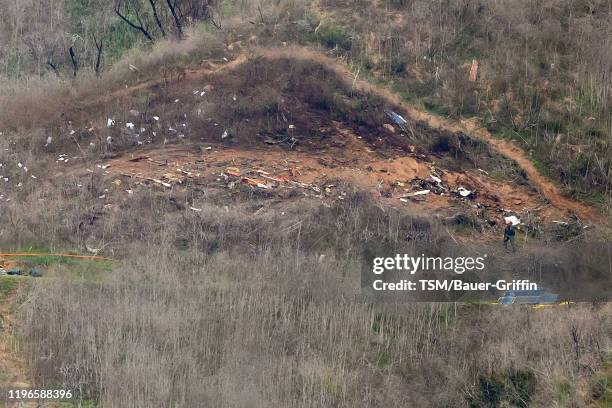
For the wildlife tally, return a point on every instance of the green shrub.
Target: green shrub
(512, 389)
(331, 35)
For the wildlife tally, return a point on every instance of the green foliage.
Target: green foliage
(7, 285)
(564, 392)
(332, 35)
(384, 358)
(119, 38)
(513, 389)
(601, 384)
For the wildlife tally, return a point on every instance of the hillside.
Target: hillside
(232, 170)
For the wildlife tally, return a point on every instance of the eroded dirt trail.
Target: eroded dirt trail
(545, 186)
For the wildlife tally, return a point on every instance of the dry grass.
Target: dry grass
(226, 309)
(220, 308)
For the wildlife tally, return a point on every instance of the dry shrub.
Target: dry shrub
(261, 319)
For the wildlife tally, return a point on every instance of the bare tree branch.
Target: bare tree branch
(140, 27)
(75, 64)
(51, 65)
(98, 55)
(214, 23)
(156, 16)
(177, 20)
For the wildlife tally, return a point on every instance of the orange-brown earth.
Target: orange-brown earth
(348, 159)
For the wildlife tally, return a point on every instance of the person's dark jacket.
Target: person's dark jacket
(509, 231)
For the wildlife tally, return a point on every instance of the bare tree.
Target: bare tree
(73, 59)
(177, 20)
(98, 55)
(138, 25)
(156, 16)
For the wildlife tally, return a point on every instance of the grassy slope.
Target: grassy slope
(537, 108)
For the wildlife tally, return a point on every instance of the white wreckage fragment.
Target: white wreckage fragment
(463, 192)
(417, 193)
(513, 219)
(397, 119)
(110, 122)
(438, 180)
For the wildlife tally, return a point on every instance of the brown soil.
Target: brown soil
(352, 160)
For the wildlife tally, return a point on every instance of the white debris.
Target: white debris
(195, 209)
(109, 140)
(110, 122)
(49, 140)
(418, 193)
(130, 192)
(129, 125)
(209, 148)
(72, 132)
(224, 135)
(167, 185)
(513, 219)
(33, 176)
(133, 68)
(463, 192)
(397, 118)
(170, 129)
(202, 93)
(156, 118)
(176, 100)
(436, 179)
(19, 165)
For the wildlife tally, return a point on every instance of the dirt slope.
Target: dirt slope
(543, 184)
(546, 187)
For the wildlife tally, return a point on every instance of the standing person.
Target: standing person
(509, 235)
